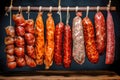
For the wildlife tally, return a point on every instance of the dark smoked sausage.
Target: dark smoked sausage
(110, 49)
(91, 51)
(58, 43)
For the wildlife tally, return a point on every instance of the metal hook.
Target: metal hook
(76, 8)
(50, 9)
(98, 8)
(87, 11)
(19, 9)
(40, 8)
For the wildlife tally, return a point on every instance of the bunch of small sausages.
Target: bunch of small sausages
(31, 45)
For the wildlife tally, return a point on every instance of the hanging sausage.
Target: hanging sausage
(100, 28)
(90, 46)
(49, 45)
(19, 39)
(110, 48)
(67, 43)
(78, 39)
(9, 42)
(59, 41)
(39, 44)
(30, 41)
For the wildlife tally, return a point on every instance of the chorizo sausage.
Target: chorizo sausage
(49, 45)
(19, 41)
(10, 58)
(19, 51)
(29, 28)
(78, 39)
(91, 51)
(58, 43)
(110, 49)
(10, 31)
(20, 61)
(9, 40)
(30, 50)
(29, 61)
(67, 46)
(20, 31)
(29, 38)
(100, 32)
(39, 44)
(9, 49)
(11, 65)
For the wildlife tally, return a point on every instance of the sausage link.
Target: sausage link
(100, 32)
(91, 51)
(58, 43)
(110, 49)
(78, 39)
(49, 45)
(29, 61)
(39, 35)
(67, 45)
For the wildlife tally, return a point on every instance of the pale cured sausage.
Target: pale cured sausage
(78, 39)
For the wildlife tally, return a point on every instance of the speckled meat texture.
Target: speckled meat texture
(110, 49)
(49, 45)
(78, 51)
(20, 24)
(100, 28)
(39, 36)
(58, 43)
(9, 49)
(67, 46)
(91, 50)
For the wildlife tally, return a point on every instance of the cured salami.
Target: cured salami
(110, 49)
(100, 29)
(78, 39)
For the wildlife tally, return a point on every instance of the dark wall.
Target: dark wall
(4, 21)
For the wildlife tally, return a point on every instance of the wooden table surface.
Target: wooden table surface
(64, 75)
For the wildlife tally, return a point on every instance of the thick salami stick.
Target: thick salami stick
(49, 45)
(78, 40)
(100, 32)
(91, 51)
(39, 44)
(67, 46)
(58, 43)
(110, 49)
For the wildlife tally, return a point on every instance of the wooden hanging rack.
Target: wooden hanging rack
(112, 8)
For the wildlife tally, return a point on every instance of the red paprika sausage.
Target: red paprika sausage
(67, 46)
(100, 32)
(90, 46)
(58, 43)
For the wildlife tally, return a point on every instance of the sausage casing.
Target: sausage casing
(58, 43)
(78, 39)
(49, 45)
(110, 49)
(100, 32)
(67, 46)
(39, 35)
(90, 46)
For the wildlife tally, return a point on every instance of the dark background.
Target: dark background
(4, 21)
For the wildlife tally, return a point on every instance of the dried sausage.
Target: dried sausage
(58, 43)
(49, 45)
(90, 46)
(78, 39)
(100, 32)
(110, 49)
